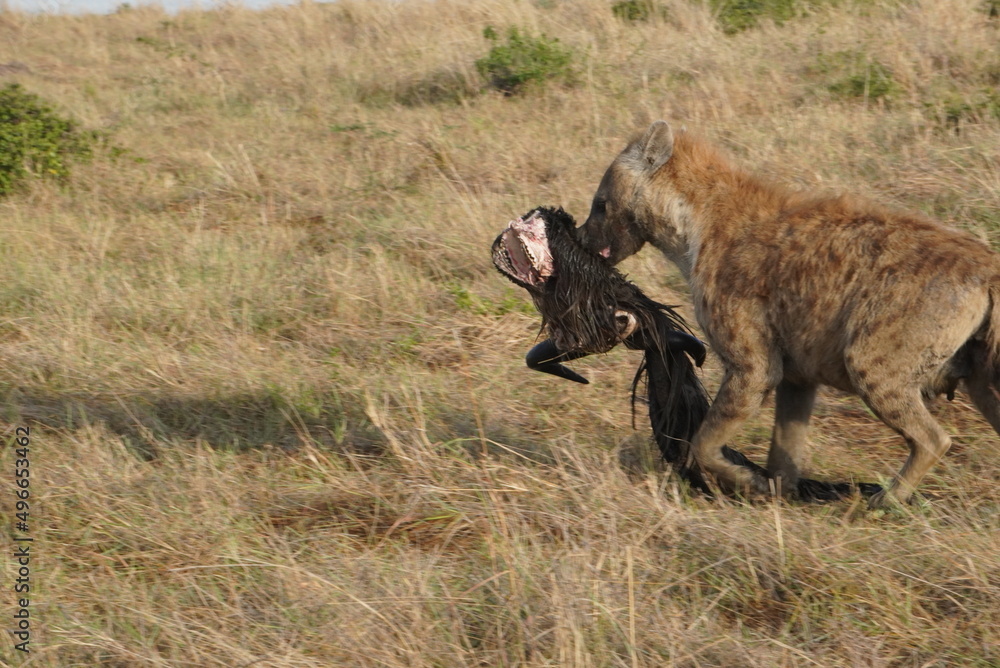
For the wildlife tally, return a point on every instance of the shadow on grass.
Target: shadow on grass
(239, 421)
(251, 420)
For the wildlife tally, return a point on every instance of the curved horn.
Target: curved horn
(545, 357)
(683, 341)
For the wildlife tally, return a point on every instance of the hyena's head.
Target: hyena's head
(623, 215)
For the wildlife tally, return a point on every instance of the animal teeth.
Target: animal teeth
(527, 251)
(529, 259)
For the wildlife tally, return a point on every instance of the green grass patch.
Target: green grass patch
(855, 75)
(874, 82)
(956, 109)
(441, 86)
(735, 16)
(738, 15)
(467, 301)
(634, 11)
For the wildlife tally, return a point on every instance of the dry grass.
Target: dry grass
(278, 405)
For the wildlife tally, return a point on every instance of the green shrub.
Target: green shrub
(738, 15)
(34, 141)
(523, 60)
(638, 10)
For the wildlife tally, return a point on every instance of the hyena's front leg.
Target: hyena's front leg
(739, 398)
(793, 406)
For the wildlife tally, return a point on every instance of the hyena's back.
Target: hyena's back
(854, 289)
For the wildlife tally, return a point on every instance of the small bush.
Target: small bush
(523, 60)
(873, 81)
(638, 10)
(853, 74)
(738, 15)
(34, 141)
(955, 109)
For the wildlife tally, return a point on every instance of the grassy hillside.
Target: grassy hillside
(278, 405)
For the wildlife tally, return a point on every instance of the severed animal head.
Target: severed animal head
(587, 305)
(521, 252)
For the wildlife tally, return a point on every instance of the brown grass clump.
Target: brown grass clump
(278, 406)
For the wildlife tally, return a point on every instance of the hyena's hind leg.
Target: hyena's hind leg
(793, 405)
(788, 453)
(904, 410)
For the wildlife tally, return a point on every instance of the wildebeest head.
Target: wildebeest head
(587, 306)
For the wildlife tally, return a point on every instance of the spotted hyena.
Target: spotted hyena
(795, 290)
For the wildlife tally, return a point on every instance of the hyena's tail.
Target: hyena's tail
(983, 382)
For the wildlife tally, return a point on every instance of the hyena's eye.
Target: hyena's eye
(600, 207)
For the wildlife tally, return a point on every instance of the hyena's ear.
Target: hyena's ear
(656, 146)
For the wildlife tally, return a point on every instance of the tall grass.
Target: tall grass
(279, 410)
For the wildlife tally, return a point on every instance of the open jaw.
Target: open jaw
(522, 251)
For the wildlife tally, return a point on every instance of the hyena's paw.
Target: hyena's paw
(751, 478)
(888, 498)
(880, 500)
(751, 485)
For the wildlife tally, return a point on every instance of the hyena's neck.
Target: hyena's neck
(703, 195)
(676, 233)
